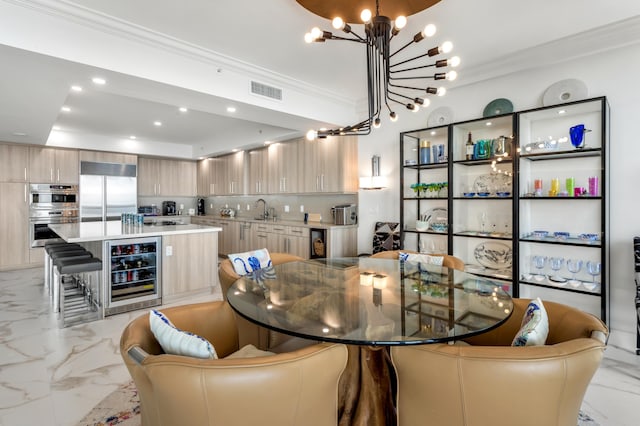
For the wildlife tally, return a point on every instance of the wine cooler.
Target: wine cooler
(134, 275)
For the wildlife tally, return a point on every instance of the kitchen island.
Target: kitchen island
(165, 262)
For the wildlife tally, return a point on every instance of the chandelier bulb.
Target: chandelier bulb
(400, 23)
(441, 91)
(308, 38)
(454, 62)
(425, 102)
(316, 33)
(337, 23)
(393, 117)
(376, 123)
(365, 15)
(452, 75)
(312, 135)
(429, 30)
(446, 47)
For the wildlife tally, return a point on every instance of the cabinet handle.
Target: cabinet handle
(51, 175)
(25, 173)
(284, 184)
(25, 193)
(58, 176)
(322, 182)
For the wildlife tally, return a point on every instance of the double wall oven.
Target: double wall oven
(49, 204)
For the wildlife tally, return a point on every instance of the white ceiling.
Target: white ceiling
(265, 37)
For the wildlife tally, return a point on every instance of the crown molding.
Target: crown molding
(98, 21)
(595, 41)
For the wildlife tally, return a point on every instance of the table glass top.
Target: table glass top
(370, 301)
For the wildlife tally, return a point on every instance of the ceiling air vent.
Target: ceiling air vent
(264, 90)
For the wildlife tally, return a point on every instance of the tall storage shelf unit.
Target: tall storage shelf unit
(546, 153)
(416, 204)
(482, 212)
(491, 208)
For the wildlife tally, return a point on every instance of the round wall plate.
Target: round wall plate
(497, 107)
(440, 117)
(568, 90)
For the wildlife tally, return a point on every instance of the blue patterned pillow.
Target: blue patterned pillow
(534, 328)
(179, 342)
(420, 258)
(247, 262)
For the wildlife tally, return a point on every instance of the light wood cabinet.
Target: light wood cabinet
(172, 178)
(231, 175)
(284, 167)
(192, 265)
(330, 164)
(203, 177)
(342, 242)
(51, 165)
(14, 163)
(14, 225)
(259, 167)
(108, 157)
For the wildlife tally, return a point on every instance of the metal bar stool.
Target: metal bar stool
(81, 298)
(48, 266)
(56, 279)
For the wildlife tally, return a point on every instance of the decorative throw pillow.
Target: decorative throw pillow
(247, 262)
(179, 342)
(535, 326)
(248, 351)
(420, 258)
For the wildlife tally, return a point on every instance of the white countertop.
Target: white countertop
(282, 222)
(115, 230)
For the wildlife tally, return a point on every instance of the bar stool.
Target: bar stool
(80, 298)
(55, 258)
(48, 249)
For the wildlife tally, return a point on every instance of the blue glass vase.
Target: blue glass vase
(577, 135)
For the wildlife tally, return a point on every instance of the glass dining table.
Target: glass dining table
(370, 304)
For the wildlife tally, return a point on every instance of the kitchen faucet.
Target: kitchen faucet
(265, 213)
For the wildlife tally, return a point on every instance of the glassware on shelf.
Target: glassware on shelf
(539, 263)
(594, 269)
(574, 266)
(483, 218)
(556, 264)
(577, 135)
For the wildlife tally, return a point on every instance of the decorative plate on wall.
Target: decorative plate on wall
(440, 117)
(497, 107)
(568, 90)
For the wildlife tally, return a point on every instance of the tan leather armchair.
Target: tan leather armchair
(448, 261)
(251, 333)
(490, 383)
(297, 388)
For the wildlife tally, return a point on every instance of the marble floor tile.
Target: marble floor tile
(55, 376)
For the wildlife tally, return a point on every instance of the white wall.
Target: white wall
(613, 74)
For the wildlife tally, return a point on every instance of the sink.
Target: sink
(164, 223)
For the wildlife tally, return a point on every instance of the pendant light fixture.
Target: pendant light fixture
(394, 79)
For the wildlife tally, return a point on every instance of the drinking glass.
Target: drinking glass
(483, 219)
(574, 266)
(594, 269)
(539, 262)
(556, 264)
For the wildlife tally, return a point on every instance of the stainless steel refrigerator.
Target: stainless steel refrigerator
(107, 190)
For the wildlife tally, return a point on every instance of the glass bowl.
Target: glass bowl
(540, 234)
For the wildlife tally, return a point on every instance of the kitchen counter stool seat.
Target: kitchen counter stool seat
(54, 258)
(48, 249)
(80, 298)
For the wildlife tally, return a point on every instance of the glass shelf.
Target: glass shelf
(562, 155)
(572, 241)
(484, 235)
(557, 286)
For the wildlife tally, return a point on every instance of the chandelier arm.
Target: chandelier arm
(401, 95)
(412, 68)
(335, 37)
(414, 78)
(401, 48)
(410, 59)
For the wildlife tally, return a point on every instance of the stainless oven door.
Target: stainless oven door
(40, 233)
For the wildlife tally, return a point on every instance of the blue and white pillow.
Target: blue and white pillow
(534, 328)
(179, 342)
(250, 261)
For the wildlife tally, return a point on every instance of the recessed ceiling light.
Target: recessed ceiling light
(76, 88)
(231, 109)
(489, 123)
(234, 150)
(433, 133)
(183, 109)
(132, 137)
(19, 134)
(66, 109)
(562, 111)
(56, 128)
(157, 123)
(99, 80)
(268, 142)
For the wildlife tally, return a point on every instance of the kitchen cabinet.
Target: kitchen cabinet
(514, 214)
(108, 157)
(258, 165)
(171, 178)
(234, 174)
(14, 225)
(192, 265)
(14, 163)
(330, 164)
(284, 164)
(280, 238)
(52, 165)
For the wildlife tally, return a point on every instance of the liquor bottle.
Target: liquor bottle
(469, 146)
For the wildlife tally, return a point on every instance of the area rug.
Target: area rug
(122, 407)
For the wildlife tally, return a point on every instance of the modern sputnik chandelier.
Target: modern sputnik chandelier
(393, 80)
